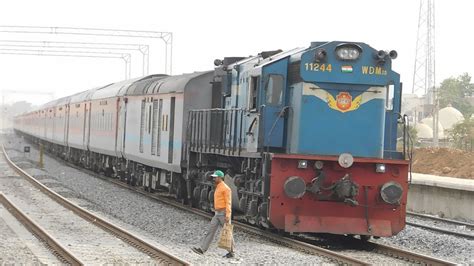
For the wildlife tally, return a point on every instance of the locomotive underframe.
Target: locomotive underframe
(244, 175)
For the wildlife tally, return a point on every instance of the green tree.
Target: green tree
(463, 134)
(454, 92)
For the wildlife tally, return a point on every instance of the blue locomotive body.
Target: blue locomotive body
(306, 136)
(299, 104)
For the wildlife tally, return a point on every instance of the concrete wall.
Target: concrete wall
(448, 197)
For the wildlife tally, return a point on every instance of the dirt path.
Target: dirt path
(444, 162)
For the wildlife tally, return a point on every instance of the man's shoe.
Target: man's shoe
(229, 255)
(197, 250)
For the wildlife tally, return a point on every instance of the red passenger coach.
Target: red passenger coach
(339, 200)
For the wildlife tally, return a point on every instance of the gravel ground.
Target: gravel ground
(19, 246)
(177, 230)
(89, 243)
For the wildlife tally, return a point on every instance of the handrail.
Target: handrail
(216, 130)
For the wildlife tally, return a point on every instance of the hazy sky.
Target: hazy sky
(205, 30)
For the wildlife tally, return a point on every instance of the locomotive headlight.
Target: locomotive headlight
(380, 168)
(348, 52)
(391, 192)
(302, 164)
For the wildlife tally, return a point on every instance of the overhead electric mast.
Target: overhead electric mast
(424, 73)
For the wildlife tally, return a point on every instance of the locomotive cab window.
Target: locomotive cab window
(252, 99)
(274, 90)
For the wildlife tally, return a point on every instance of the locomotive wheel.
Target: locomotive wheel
(180, 190)
(109, 172)
(195, 197)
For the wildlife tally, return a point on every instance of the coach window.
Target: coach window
(274, 89)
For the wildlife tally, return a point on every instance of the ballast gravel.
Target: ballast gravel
(452, 248)
(91, 244)
(19, 246)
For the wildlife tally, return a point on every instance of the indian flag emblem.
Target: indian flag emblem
(346, 69)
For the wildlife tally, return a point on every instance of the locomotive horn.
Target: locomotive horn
(393, 54)
(380, 55)
(321, 55)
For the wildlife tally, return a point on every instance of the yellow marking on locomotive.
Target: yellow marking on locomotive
(371, 70)
(318, 67)
(343, 102)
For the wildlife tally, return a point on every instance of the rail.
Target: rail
(408, 255)
(442, 230)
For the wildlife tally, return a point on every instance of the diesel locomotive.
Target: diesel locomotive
(307, 137)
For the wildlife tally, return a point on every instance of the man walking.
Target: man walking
(223, 211)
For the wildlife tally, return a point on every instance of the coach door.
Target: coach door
(273, 95)
(66, 128)
(87, 128)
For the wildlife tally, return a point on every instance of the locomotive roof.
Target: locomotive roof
(270, 59)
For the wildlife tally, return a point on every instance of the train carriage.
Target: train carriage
(60, 121)
(155, 118)
(78, 110)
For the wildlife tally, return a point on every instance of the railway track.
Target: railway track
(295, 243)
(408, 256)
(442, 230)
(157, 254)
(54, 246)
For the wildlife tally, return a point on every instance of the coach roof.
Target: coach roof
(141, 86)
(173, 84)
(54, 103)
(82, 96)
(113, 90)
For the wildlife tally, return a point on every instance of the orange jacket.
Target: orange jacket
(223, 199)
